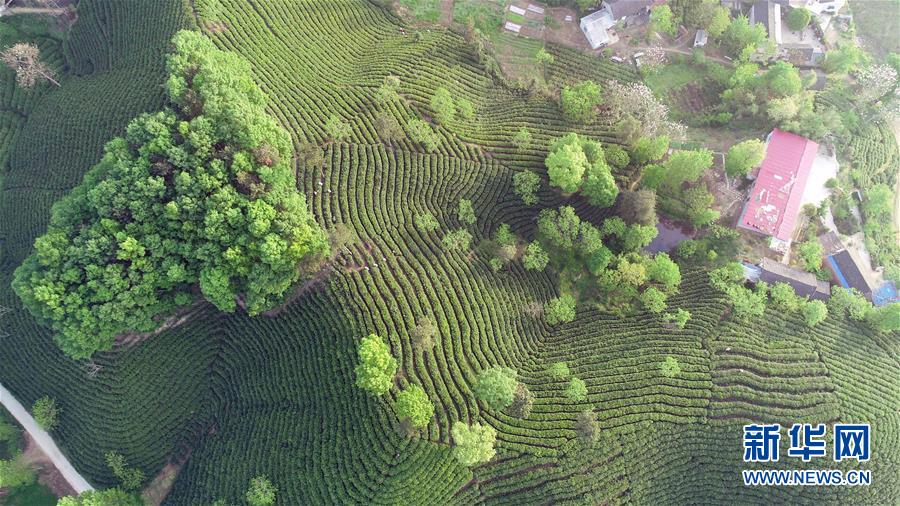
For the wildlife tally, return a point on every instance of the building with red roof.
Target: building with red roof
(775, 199)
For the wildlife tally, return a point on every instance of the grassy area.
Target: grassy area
(30, 495)
(486, 15)
(425, 10)
(673, 77)
(878, 22)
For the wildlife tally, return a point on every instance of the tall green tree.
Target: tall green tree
(473, 444)
(377, 367)
(414, 405)
(261, 492)
(496, 387)
(578, 102)
(744, 156)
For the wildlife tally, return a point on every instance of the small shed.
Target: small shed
(700, 38)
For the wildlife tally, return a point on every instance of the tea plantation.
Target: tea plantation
(234, 397)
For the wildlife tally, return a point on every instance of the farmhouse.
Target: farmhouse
(768, 14)
(805, 284)
(778, 191)
(597, 25)
(846, 272)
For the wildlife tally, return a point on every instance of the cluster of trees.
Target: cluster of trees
(575, 163)
(677, 180)
(579, 102)
(375, 373)
(778, 95)
(131, 478)
(751, 302)
(606, 260)
(200, 194)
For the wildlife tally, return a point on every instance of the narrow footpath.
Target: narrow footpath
(44, 441)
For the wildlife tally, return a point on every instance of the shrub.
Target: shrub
(523, 401)
(473, 444)
(577, 390)
(46, 413)
(670, 367)
(261, 492)
(496, 387)
(466, 212)
(457, 240)
(559, 370)
(560, 310)
(587, 427)
(414, 405)
(535, 258)
(442, 105)
(526, 184)
(377, 367)
(426, 222)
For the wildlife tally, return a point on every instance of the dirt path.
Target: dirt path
(54, 11)
(48, 474)
(447, 12)
(44, 442)
(895, 127)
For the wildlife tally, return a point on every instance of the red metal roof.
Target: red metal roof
(775, 199)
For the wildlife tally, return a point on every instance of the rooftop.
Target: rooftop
(848, 273)
(594, 26)
(778, 191)
(805, 284)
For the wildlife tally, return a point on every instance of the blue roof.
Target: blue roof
(885, 295)
(837, 270)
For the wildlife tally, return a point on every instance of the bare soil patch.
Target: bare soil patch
(47, 473)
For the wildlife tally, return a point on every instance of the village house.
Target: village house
(774, 202)
(598, 26)
(805, 284)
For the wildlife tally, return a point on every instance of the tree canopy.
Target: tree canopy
(414, 405)
(578, 101)
(200, 193)
(576, 163)
(376, 368)
(473, 444)
(743, 156)
(496, 387)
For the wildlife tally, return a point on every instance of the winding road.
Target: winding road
(44, 441)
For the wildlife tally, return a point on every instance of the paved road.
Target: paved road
(44, 441)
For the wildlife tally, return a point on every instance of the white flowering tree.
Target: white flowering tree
(637, 101)
(876, 81)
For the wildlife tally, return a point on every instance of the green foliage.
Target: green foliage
(718, 22)
(685, 166)
(526, 184)
(846, 302)
(670, 367)
(535, 258)
(423, 334)
(426, 222)
(560, 310)
(649, 149)
(466, 212)
(131, 478)
(814, 312)
(784, 298)
(559, 370)
(885, 319)
(810, 255)
(567, 163)
(522, 140)
(878, 201)
(46, 413)
(574, 163)
(653, 300)
(844, 59)
(473, 444)
(377, 367)
(579, 102)
(457, 240)
(421, 132)
(587, 427)
(337, 129)
(744, 156)
(465, 108)
(523, 402)
(16, 472)
(496, 387)
(261, 492)
(637, 207)
(662, 20)
(742, 39)
(798, 19)
(662, 270)
(414, 405)
(616, 156)
(108, 497)
(680, 317)
(577, 390)
(443, 106)
(156, 217)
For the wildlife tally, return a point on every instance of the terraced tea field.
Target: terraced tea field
(275, 395)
